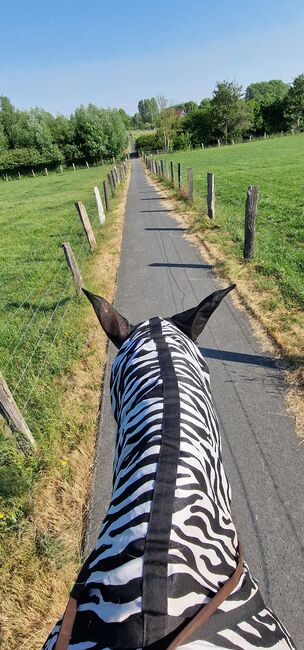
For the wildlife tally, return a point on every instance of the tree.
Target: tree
(190, 106)
(148, 110)
(7, 111)
(127, 119)
(230, 116)
(295, 104)
(199, 125)
(268, 99)
(267, 92)
(167, 122)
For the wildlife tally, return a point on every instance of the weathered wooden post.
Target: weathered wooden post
(110, 181)
(87, 165)
(73, 165)
(106, 194)
(210, 196)
(202, 145)
(100, 209)
(46, 171)
(265, 135)
(190, 185)
(10, 412)
(250, 220)
(218, 142)
(61, 169)
(172, 173)
(114, 183)
(19, 175)
(162, 168)
(33, 173)
(179, 176)
(86, 224)
(6, 177)
(166, 170)
(73, 266)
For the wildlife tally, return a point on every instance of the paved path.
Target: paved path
(162, 273)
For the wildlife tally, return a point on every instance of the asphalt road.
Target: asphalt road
(161, 273)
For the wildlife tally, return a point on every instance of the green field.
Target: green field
(41, 332)
(277, 167)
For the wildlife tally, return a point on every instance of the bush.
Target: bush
(148, 142)
(25, 159)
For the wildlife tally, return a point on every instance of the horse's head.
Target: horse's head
(191, 322)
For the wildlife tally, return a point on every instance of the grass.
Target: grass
(43, 498)
(276, 273)
(39, 332)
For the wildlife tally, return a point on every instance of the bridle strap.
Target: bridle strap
(196, 622)
(206, 612)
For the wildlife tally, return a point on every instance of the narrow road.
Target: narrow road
(162, 273)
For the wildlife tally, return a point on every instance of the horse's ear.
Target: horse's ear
(114, 324)
(192, 321)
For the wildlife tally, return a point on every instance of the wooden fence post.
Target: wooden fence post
(166, 170)
(73, 165)
(87, 165)
(210, 195)
(10, 412)
(114, 183)
(162, 168)
(106, 194)
(73, 266)
(33, 173)
(179, 176)
(110, 182)
(86, 224)
(172, 173)
(46, 172)
(61, 169)
(100, 209)
(19, 175)
(250, 220)
(190, 185)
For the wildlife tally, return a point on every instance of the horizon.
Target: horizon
(57, 58)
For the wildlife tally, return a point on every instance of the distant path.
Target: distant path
(162, 273)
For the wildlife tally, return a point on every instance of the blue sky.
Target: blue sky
(59, 54)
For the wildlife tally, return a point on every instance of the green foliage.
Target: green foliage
(230, 116)
(148, 110)
(199, 125)
(267, 92)
(99, 133)
(295, 104)
(148, 142)
(25, 159)
(6, 117)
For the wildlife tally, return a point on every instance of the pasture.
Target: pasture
(277, 167)
(51, 356)
(41, 320)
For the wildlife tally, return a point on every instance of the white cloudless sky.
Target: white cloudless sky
(62, 54)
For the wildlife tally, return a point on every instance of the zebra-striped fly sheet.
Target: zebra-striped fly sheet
(168, 542)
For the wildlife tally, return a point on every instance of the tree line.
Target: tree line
(230, 115)
(34, 139)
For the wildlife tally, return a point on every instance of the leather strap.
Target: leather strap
(206, 612)
(197, 621)
(66, 625)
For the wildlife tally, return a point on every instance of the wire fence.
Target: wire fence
(29, 337)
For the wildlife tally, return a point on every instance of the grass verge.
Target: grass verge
(42, 527)
(281, 319)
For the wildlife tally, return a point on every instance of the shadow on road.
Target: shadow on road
(168, 229)
(171, 265)
(238, 357)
